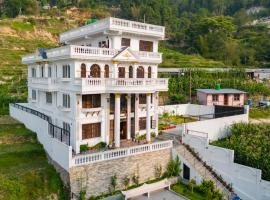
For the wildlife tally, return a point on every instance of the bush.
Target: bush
(83, 148)
(173, 168)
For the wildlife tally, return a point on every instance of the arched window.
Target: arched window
(106, 71)
(140, 72)
(130, 72)
(83, 70)
(149, 72)
(121, 72)
(95, 71)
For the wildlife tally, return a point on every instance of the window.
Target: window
(91, 101)
(125, 42)
(42, 71)
(149, 72)
(48, 97)
(95, 71)
(91, 130)
(83, 70)
(66, 101)
(236, 97)
(146, 46)
(214, 97)
(142, 123)
(34, 95)
(130, 72)
(107, 71)
(66, 71)
(49, 72)
(33, 73)
(140, 72)
(142, 98)
(121, 72)
(66, 128)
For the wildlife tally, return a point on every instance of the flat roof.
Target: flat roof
(221, 91)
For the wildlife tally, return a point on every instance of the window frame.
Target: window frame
(125, 42)
(91, 130)
(236, 97)
(66, 101)
(49, 97)
(215, 97)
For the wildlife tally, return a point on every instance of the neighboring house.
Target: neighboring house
(226, 97)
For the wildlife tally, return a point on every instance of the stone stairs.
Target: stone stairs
(198, 165)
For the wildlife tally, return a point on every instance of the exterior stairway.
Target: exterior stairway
(197, 164)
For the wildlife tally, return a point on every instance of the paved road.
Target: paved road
(160, 195)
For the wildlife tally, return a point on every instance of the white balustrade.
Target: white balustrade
(120, 153)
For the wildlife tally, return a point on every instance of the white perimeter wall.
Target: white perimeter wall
(58, 151)
(186, 109)
(215, 128)
(246, 181)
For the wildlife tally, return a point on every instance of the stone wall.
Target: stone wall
(96, 177)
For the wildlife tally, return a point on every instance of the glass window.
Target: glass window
(142, 123)
(33, 73)
(236, 97)
(48, 97)
(146, 46)
(214, 97)
(125, 42)
(49, 72)
(66, 127)
(91, 101)
(91, 130)
(34, 94)
(66, 71)
(66, 101)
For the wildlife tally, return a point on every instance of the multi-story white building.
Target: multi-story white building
(101, 85)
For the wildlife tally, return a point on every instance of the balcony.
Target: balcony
(48, 84)
(121, 85)
(83, 52)
(114, 24)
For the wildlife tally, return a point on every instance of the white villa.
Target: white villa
(101, 85)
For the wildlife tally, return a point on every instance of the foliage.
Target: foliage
(114, 182)
(259, 113)
(251, 146)
(82, 195)
(135, 179)
(173, 168)
(175, 119)
(205, 191)
(158, 171)
(24, 170)
(83, 148)
(126, 182)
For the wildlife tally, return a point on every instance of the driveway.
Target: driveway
(161, 195)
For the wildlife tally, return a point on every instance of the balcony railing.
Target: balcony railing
(111, 23)
(101, 53)
(120, 153)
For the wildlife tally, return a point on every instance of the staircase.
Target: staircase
(201, 168)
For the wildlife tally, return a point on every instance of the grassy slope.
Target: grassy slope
(172, 58)
(24, 171)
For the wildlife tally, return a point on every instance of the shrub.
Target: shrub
(126, 182)
(114, 182)
(83, 148)
(158, 171)
(173, 168)
(135, 179)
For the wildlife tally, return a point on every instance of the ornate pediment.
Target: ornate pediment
(126, 55)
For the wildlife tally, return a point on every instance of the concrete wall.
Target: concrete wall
(246, 181)
(58, 151)
(186, 109)
(96, 177)
(215, 128)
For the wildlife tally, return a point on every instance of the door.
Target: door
(225, 99)
(123, 130)
(186, 172)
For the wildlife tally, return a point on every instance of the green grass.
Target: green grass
(259, 113)
(22, 26)
(183, 189)
(24, 171)
(175, 119)
(175, 59)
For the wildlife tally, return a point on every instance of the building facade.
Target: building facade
(222, 97)
(101, 85)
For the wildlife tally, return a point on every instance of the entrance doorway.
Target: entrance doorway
(225, 99)
(123, 130)
(186, 172)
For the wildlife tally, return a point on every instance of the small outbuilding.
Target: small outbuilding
(224, 97)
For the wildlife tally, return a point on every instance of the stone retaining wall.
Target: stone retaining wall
(96, 178)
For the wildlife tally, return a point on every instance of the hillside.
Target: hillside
(24, 171)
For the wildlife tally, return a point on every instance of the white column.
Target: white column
(148, 118)
(107, 116)
(46, 66)
(115, 70)
(136, 115)
(128, 117)
(117, 121)
(155, 101)
(135, 70)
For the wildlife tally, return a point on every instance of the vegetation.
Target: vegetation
(24, 170)
(175, 119)
(173, 168)
(205, 191)
(259, 113)
(251, 146)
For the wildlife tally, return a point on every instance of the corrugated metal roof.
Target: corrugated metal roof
(221, 91)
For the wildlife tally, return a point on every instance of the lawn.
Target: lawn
(259, 113)
(24, 171)
(183, 189)
(251, 146)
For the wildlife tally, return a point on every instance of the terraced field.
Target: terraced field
(24, 171)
